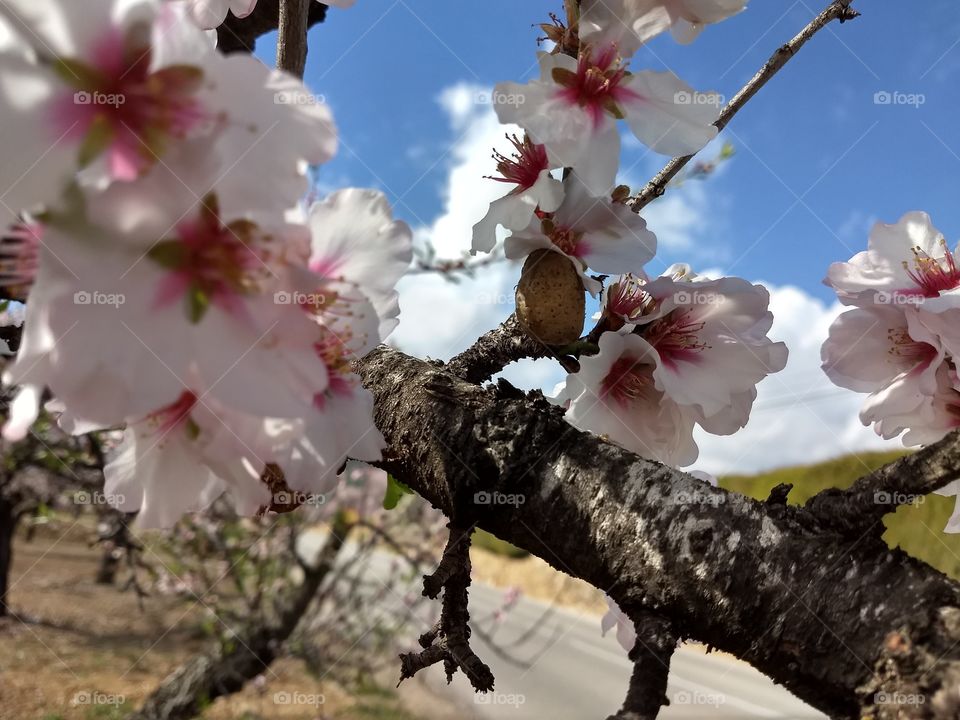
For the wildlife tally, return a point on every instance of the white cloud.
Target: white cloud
(800, 416)
(440, 318)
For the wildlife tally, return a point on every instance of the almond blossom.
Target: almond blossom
(179, 459)
(355, 239)
(906, 263)
(596, 233)
(528, 169)
(674, 352)
(209, 14)
(711, 340)
(109, 87)
(631, 23)
(572, 110)
(200, 302)
(897, 356)
(615, 395)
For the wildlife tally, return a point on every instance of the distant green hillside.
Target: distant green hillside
(917, 529)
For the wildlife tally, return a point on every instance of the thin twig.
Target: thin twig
(837, 10)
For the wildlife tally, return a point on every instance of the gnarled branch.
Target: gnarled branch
(835, 619)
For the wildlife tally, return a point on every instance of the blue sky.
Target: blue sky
(814, 132)
(817, 162)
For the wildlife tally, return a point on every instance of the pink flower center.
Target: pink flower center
(626, 299)
(676, 337)
(906, 349)
(628, 380)
(598, 83)
(212, 263)
(524, 166)
(568, 240)
(335, 352)
(118, 106)
(174, 415)
(933, 275)
(19, 258)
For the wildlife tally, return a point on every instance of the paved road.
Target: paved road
(576, 674)
(579, 675)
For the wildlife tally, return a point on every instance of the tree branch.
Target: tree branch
(493, 351)
(769, 583)
(861, 506)
(651, 655)
(293, 24)
(449, 641)
(837, 10)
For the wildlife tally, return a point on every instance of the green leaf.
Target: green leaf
(395, 491)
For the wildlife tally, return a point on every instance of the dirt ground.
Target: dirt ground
(82, 651)
(537, 580)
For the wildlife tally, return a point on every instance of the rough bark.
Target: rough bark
(292, 26)
(836, 619)
(651, 656)
(191, 687)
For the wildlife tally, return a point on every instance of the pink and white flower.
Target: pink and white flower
(615, 395)
(596, 233)
(201, 302)
(355, 240)
(631, 23)
(573, 110)
(528, 169)
(896, 356)
(907, 263)
(179, 459)
(110, 86)
(208, 14)
(711, 340)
